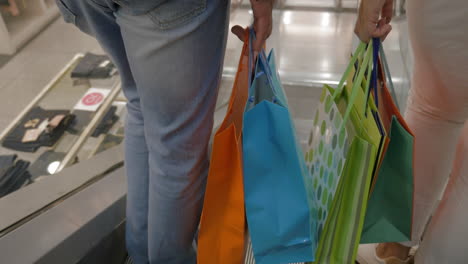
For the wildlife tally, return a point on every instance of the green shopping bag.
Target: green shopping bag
(342, 233)
(341, 223)
(389, 213)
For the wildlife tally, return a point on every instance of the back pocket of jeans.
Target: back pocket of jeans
(175, 13)
(67, 14)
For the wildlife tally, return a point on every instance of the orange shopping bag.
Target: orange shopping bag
(222, 228)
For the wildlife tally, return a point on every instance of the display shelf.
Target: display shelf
(15, 31)
(66, 149)
(112, 138)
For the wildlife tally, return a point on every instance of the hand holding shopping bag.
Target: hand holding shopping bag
(342, 157)
(277, 210)
(222, 228)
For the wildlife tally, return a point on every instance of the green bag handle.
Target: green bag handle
(356, 54)
(367, 91)
(366, 66)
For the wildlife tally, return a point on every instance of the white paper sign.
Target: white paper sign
(92, 99)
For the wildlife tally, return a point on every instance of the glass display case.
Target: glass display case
(96, 109)
(74, 205)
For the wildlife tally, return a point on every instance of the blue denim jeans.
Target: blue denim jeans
(170, 61)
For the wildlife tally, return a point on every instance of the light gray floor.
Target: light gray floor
(4, 59)
(311, 48)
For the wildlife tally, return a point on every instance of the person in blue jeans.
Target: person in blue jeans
(170, 55)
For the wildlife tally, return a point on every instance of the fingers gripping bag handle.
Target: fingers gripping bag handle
(261, 68)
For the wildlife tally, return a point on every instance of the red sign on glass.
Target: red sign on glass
(92, 99)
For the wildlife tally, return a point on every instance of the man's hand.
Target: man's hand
(262, 12)
(374, 19)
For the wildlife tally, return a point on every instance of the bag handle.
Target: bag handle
(245, 50)
(378, 50)
(356, 54)
(366, 66)
(372, 81)
(250, 35)
(376, 43)
(262, 62)
(388, 76)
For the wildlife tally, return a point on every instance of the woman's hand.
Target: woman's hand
(374, 19)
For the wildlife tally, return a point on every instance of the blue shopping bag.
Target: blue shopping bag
(277, 209)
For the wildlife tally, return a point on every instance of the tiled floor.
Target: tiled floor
(311, 48)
